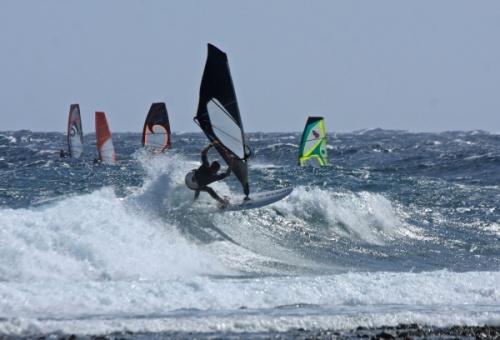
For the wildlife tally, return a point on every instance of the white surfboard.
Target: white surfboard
(257, 200)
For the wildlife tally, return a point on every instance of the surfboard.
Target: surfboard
(75, 132)
(156, 131)
(105, 145)
(258, 200)
(218, 116)
(313, 142)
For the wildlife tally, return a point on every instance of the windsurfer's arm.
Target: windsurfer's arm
(205, 151)
(209, 146)
(230, 165)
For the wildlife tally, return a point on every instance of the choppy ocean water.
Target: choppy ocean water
(400, 228)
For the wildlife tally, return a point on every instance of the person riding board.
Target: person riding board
(199, 179)
(64, 154)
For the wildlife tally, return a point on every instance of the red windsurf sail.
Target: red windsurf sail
(105, 145)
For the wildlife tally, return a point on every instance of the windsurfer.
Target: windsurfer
(199, 179)
(64, 154)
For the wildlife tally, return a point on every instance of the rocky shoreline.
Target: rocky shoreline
(409, 331)
(415, 331)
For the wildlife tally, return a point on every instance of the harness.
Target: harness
(191, 180)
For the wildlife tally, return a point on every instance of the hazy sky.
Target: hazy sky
(413, 65)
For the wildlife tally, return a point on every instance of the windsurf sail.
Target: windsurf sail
(313, 143)
(105, 145)
(75, 132)
(156, 131)
(218, 114)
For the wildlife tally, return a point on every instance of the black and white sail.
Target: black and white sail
(156, 131)
(218, 114)
(75, 132)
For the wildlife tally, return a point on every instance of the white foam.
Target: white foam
(343, 301)
(361, 216)
(94, 237)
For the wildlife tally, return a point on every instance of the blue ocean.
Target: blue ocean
(399, 228)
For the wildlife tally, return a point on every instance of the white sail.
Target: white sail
(75, 133)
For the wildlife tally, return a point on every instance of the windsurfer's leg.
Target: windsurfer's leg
(196, 194)
(212, 193)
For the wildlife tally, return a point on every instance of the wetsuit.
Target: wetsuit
(204, 176)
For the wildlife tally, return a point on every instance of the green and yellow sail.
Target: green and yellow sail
(313, 143)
